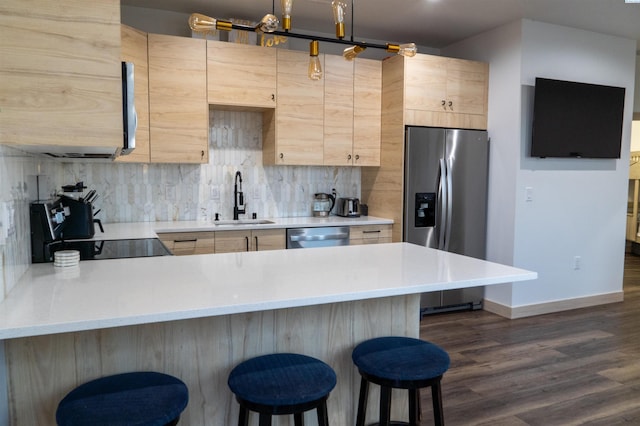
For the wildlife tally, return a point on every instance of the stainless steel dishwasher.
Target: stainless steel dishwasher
(326, 236)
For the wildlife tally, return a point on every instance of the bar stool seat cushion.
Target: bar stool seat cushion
(401, 359)
(140, 398)
(282, 379)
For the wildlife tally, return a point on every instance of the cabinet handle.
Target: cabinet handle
(444, 105)
(357, 157)
(371, 232)
(451, 105)
(246, 240)
(194, 240)
(273, 96)
(202, 154)
(281, 156)
(349, 157)
(256, 237)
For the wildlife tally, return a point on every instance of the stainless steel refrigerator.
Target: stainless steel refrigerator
(445, 201)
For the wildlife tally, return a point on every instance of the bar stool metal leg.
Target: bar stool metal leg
(323, 418)
(243, 417)
(438, 412)
(265, 419)
(385, 406)
(298, 419)
(362, 402)
(414, 407)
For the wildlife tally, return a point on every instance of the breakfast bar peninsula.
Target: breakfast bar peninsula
(197, 316)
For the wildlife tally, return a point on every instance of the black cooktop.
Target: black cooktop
(114, 249)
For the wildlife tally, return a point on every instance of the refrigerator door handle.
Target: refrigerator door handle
(449, 209)
(441, 222)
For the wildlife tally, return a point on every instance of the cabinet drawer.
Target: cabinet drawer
(370, 234)
(185, 243)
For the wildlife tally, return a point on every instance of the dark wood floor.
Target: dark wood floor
(580, 367)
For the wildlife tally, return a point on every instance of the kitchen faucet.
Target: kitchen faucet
(238, 199)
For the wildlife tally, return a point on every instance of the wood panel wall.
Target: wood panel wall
(202, 352)
(382, 187)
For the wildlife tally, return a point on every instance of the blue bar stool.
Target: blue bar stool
(400, 363)
(280, 384)
(140, 398)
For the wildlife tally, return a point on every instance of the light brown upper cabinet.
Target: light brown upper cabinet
(178, 110)
(293, 133)
(367, 107)
(241, 76)
(445, 92)
(338, 111)
(352, 111)
(134, 49)
(60, 73)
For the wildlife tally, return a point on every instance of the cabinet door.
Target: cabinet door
(60, 73)
(338, 111)
(232, 241)
(369, 234)
(367, 112)
(446, 92)
(134, 49)
(187, 243)
(268, 239)
(425, 83)
(179, 114)
(240, 75)
(467, 86)
(299, 122)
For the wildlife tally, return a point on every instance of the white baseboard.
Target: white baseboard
(550, 307)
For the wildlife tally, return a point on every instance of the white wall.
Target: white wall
(579, 206)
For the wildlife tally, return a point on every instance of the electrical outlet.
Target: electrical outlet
(528, 194)
(256, 193)
(577, 263)
(214, 193)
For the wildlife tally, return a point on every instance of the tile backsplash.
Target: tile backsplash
(159, 192)
(17, 188)
(154, 192)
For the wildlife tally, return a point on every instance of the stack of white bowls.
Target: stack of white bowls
(66, 258)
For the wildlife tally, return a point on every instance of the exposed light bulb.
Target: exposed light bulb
(268, 24)
(408, 49)
(339, 12)
(350, 53)
(286, 6)
(315, 69)
(203, 23)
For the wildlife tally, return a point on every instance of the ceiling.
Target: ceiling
(430, 23)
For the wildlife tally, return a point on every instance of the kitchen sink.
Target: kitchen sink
(242, 222)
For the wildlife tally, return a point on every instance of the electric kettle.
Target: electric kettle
(322, 204)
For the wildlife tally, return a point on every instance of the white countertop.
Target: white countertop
(133, 230)
(119, 292)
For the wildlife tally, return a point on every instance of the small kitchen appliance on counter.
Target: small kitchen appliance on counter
(348, 207)
(323, 204)
(67, 223)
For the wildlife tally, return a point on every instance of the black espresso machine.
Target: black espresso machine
(58, 220)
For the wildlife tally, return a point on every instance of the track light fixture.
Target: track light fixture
(269, 24)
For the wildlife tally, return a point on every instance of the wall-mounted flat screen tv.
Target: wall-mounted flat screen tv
(577, 120)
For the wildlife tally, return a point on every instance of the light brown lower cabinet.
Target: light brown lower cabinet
(369, 234)
(186, 243)
(250, 240)
(206, 242)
